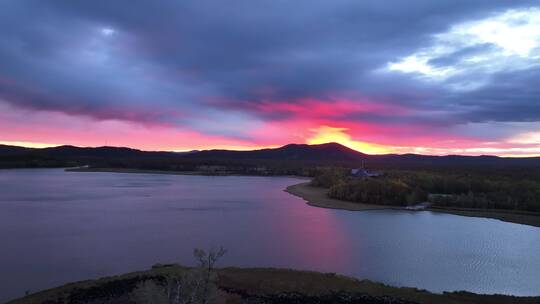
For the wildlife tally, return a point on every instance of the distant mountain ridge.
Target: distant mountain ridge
(323, 153)
(74, 151)
(6, 150)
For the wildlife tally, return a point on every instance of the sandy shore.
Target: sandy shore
(317, 197)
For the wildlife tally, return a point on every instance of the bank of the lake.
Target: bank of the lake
(264, 285)
(316, 196)
(142, 171)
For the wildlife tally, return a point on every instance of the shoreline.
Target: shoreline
(518, 217)
(139, 171)
(265, 285)
(196, 173)
(317, 197)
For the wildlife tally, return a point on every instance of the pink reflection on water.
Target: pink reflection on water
(311, 238)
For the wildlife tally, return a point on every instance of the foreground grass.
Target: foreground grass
(264, 285)
(316, 196)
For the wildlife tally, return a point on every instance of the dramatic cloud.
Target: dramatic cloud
(386, 76)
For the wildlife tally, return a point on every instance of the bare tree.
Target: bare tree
(207, 262)
(195, 286)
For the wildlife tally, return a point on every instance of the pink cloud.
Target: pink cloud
(313, 122)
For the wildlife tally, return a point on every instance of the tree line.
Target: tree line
(465, 188)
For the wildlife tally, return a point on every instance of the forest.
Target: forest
(484, 188)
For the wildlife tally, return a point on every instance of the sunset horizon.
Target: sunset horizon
(254, 148)
(461, 83)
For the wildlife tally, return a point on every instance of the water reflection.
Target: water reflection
(57, 227)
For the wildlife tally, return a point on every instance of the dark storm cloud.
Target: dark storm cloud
(165, 60)
(509, 97)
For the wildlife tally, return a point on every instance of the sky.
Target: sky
(419, 76)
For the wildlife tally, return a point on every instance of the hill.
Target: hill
(330, 152)
(9, 150)
(100, 152)
(71, 156)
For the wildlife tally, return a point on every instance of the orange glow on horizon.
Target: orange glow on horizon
(225, 147)
(326, 134)
(38, 145)
(27, 144)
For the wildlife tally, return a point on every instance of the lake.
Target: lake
(57, 227)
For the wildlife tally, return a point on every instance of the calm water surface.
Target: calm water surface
(57, 227)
